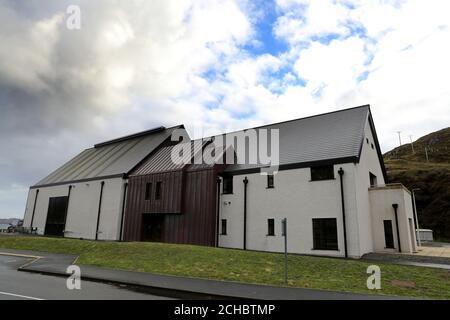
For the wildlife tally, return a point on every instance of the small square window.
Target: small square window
(228, 185)
(148, 191)
(224, 227)
(158, 190)
(322, 173)
(270, 181)
(270, 227)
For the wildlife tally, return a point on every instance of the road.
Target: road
(19, 285)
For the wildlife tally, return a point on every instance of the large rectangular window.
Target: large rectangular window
(148, 191)
(228, 185)
(325, 234)
(158, 190)
(270, 227)
(388, 234)
(224, 227)
(322, 173)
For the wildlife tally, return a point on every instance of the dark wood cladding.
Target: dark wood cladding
(189, 209)
(170, 202)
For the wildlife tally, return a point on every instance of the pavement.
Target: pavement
(172, 286)
(16, 285)
(434, 255)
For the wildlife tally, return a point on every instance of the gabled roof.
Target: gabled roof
(109, 159)
(334, 137)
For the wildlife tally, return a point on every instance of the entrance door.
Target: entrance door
(153, 227)
(388, 234)
(56, 216)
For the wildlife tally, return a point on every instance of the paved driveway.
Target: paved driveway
(19, 285)
(435, 250)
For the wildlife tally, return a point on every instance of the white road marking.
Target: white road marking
(19, 296)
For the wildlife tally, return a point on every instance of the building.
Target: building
(330, 185)
(85, 197)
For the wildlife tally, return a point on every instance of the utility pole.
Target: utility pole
(412, 144)
(399, 137)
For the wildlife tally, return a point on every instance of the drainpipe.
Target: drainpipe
(218, 211)
(245, 212)
(34, 210)
(99, 209)
(123, 209)
(395, 206)
(341, 175)
(67, 208)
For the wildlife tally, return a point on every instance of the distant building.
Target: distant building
(331, 186)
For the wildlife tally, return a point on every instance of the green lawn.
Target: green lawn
(241, 266)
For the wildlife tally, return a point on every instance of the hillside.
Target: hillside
(427, 168)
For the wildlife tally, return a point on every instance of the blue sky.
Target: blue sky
(214, 65)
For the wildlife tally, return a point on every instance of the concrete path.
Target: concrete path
(181, 287)
(431, 261)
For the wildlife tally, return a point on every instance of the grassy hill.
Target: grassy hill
(427, 168)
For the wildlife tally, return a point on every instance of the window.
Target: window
(325, 234)
(148, 191)
(322, 173)
(270, 227)
(388, 234)
(158, 190)
(373, 179)
(372, 146)
(227, 185)
(367, 140)
(270, 181)
(224, 227)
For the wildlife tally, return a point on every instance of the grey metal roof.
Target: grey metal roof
(111, 158)
(161, 160)
(334, 135)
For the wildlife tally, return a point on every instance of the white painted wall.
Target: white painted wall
(83, 208)
(299, 200)
(381, 200)
(369, 162)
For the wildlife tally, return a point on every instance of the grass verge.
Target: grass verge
(242, 266)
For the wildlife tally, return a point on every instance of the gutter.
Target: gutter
(341, 174)
(34, 209)
(123, 210)
(245, 212)
(99, 209)
(395, 206)
(218, 211)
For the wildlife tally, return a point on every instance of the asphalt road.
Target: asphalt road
(19, 285)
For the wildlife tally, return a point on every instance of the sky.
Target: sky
(212, 65)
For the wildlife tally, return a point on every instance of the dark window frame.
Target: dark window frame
(270, 181)
(158, 190)
(325, 234)
(271, 227)
(388, 234)
(227, 185)
(373, 180)
(148, 191)
(223, 227)
(319, 173)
